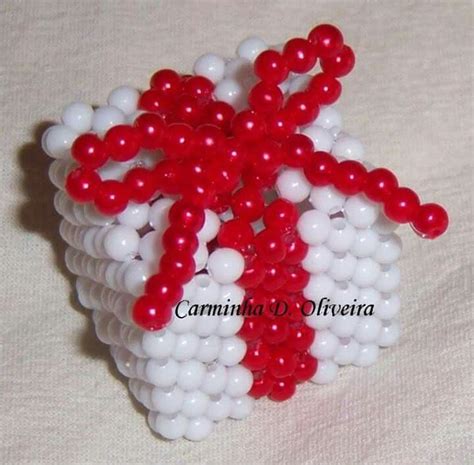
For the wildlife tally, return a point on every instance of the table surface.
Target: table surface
(409, 100)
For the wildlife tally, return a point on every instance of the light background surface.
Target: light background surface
(409, 100)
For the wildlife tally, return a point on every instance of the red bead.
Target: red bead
(300, 337)
(340, 64)
(247, 203)
(283, 389)
(431, 221)
(253, 274)
(265, 97)
(141, 184)
(248, 125)
(111, 197)
(306, 368)
(297, 150)
(381, 183)
(189, 110)
(166, 82)
(280, 215)
(179, 266)
(177, 238)
(209, 140)
(296, 279)
(276, 331)
(199, 192)
(236, 234)
(402, 206)
(275, 277)
(198, 87)
(89, 151)
(122, 142)
(151, 128)
(250, 178)
(327, 40)
(350, 177)
(325, 88)
(257, 356)
(220, 203)
(220, 114)
(168, 177)
(224, 177)
(271, 67)
(295, 306)
(265, 157)
(270, 246)
(262, 384)
(82, 184)
(280, 125)
(152, 100)
(252, 329)
(296, 250)
(234, 153)
(282, 362)
(300, 55)
(320, 168)
(303, 107)
(178, 141)
(163, 288)
(150, 313)
(186, 215)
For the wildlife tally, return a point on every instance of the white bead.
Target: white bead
(344, 325)
(314, 227)
(242, 407)
(121, 243)
(158, 213)
(182, 325)
(388, 250)
(389, 334)
(210, 66)
(383, 225)
(78, 116)
(135, 215)
(215, 379)
(366, 272)
(106, 117)
(207, 290)
(318, 259)
(365, 243)
(210, 228)
(231, 92)
(326, 372)
(163, 372)
(251, 47)
(167, 400)
(170, 427)
(342, 267)
(231, 294)
(328, 118)
(232, 351)
(219, 407)
(206, 325)
(369, 296)
(158, 344)
(348, 147)
(299, 83)
(389, 279)
(57, 141)
(229, 325)
(341, 236)
(186, 347)
(226, 265)
(319, 286)
(189, 290)
(124, 98)
(335, 131)
(368, 329)
(360, 211)
(190, 376)
(319, 322)
(136, 276)
(241, 70)
(321, 138)
(324, 345)
(327, 199)
(346, 352)
(112, 170)
(200, 257)
(209, 349)
(293, 186)
(239, 381)
(150, 247)
(195, 404)
(387, 307)
(199, 429)
(368, 354)
(345, 293)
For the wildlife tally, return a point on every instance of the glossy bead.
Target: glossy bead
(57, 140)
(106, 117)
(276, 331)
(241, 407)
(160, 286)
(151, 314)
(158, 344)
(350, 177)
(252, 329)
(270, 246)
(283, 389)
(306, 367)
(271, 67)
(177, 238)
(347, 351)
(297, 149)
(402, 205)
(210, 66)
(365, 243)
(381, 183)
(303, 107)
(199, 428)
(300, 337)
(327, 40)
(78, 116)
(328, 118)
(262, 384)
(198, 87)
(166, 82)
(389, 334)
(89, 151)
(187, 216)
(319, 286)
(225, 265)
(121, 242)
(341, 64)
(388, 279)
(280, 125)
(251, 47)
(265, 97)
(152, 129)
(167, 401)
(158, 213)
(293, 186)
(265, 157)
(367, 356)
(111, 197)
(389, 249)
(231, 92)
(325, 88)
(313, 227)
(141, 184)
(275, 277)
(253, 274)
(248, 125)
(210, 228)
(282, 362)
(341, 235)
(348, 147)
(326, 372)
(324, 345)
(236, 234)
(366, 272)
(239, 381)
(300, 55)
(431, 221)
(247, 203)
(220, 114)
(342, 266)
(280, 215)
(82, 184)
(368, 329)
(320, 168)
(191, 374)
(170, 427)
(360, 212)
(208, 349)
(189, 110)
(124, 98)
(327, 199)
(122, 142)
(318, 259)
(296, 250)
(178, 265)
(178, 140)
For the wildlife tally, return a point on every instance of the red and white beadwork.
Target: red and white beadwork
(235, 184)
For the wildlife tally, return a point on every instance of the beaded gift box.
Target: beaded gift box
(226, 233)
